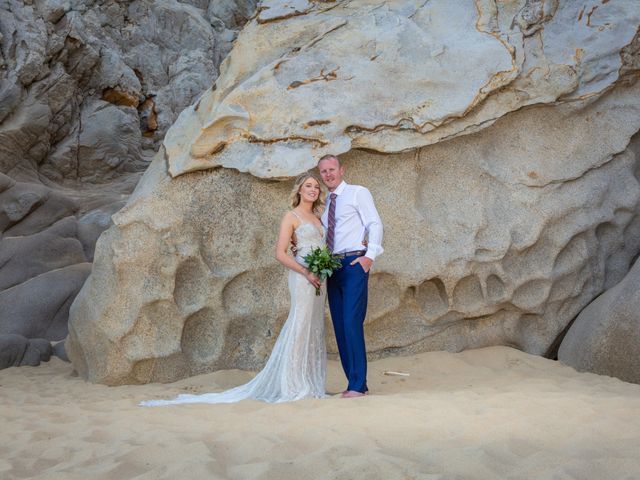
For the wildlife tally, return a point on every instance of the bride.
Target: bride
(297, 366)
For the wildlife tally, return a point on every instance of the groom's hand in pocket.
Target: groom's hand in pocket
(365, 263)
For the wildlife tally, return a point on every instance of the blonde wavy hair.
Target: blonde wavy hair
(294, 198)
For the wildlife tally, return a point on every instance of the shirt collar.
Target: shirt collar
(339, 189)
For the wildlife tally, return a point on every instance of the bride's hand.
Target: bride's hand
(313, 280)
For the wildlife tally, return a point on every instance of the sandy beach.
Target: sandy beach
(480, 414)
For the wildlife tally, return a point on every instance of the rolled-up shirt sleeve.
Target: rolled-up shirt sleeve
(371, 221)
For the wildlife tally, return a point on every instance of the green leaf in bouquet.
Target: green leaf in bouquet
(322, 263)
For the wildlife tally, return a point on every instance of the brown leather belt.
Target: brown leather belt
(353, 253)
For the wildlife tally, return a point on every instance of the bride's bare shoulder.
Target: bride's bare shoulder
(289, 219)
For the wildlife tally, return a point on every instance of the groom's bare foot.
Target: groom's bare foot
(352, 394)
(366, 392)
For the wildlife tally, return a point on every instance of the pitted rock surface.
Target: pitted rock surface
(500, 237)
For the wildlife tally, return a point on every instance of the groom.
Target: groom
(349, 217)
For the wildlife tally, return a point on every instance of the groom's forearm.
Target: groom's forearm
(374, 247)
(372, 223)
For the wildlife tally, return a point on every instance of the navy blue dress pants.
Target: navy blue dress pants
(347, 289)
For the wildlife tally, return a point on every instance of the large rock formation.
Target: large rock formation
(87, 92)
(502, 222)
(605, 338)
(309, 78)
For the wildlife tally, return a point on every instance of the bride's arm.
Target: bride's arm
(284, 238)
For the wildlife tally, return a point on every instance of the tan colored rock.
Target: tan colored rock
(496, 238)
(310, 78)
(502, 222)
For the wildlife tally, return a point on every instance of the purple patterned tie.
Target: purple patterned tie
(331, 220)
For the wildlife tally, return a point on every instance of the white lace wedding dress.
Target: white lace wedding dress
(297, 366)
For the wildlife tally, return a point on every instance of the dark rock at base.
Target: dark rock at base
(59, 351)
(605, 338)
(16, 351)
(39, 307)
(42, 348)
(12, 348)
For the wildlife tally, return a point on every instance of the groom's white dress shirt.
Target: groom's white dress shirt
(356, 215)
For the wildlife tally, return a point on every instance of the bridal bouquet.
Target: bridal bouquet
(322, 262)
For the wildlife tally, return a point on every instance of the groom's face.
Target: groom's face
(331, 172)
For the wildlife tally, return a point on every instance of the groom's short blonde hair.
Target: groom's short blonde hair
(327, 157)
